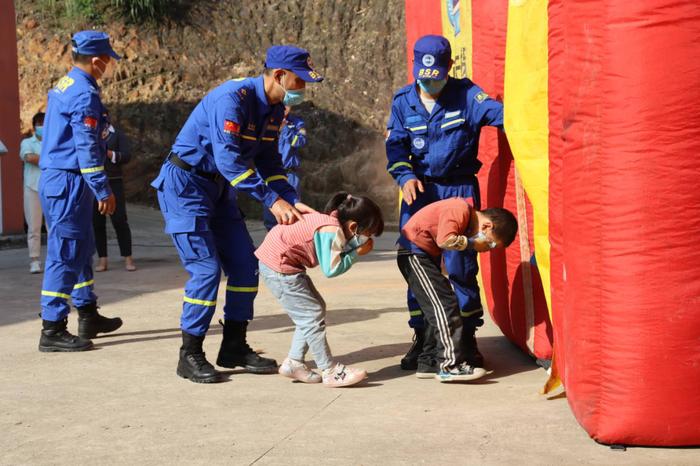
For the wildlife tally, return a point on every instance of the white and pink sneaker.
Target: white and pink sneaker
(298, 371)
(343, 376)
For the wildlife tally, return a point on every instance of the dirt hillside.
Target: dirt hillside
(358, 44)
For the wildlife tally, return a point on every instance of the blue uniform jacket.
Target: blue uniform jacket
(76, 130)
(292, 138)
(445, 142)
(234, 130)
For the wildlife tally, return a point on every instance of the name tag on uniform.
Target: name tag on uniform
(452, 114)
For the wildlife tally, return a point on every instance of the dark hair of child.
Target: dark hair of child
(360, 209)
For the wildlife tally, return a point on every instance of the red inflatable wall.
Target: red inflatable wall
(628, 317)
(10, 163)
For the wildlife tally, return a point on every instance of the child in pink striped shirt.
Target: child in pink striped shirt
(333, 240)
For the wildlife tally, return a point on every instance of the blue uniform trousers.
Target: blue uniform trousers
(461, 266)
(268, 218)
(67, 202)
(209, 233)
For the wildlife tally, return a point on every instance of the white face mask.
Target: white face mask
(107, 69)
(481, 238)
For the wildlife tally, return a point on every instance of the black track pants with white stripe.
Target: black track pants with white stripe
(434, 293)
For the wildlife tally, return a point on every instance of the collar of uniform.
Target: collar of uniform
(260, 93)
(417, 104)
(76, 72)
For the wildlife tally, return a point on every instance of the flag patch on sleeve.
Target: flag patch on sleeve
(231, 127)
(90, 122)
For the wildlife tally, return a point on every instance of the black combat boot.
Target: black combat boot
(472, 355)
(55, 337)
(235, 351)
(410, 361)
(90, 322)
(193, 364)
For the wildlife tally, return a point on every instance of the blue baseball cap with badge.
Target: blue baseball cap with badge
(431, 57)
(93, 43)
(293, 59)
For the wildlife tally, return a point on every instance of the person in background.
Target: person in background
(29, 153)
(118, 154)
(292, 138)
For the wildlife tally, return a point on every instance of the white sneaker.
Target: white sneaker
(298, 371)
(343, 376)
(35, 267)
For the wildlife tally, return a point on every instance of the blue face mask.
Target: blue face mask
(292, 97)
(39, 130)
(355, 242)
(432, 86)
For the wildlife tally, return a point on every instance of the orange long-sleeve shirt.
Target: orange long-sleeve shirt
(435, 223)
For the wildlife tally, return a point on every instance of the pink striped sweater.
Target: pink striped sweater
(290, 248)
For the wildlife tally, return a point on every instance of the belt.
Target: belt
(179, 163)
(457, 179)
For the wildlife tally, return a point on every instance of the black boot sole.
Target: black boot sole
(212, 379)
(60, 349)
(272, 369)
(91, 335)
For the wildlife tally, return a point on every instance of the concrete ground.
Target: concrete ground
(123, 403)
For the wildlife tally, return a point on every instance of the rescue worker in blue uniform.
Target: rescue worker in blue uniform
(432, 147)
(292, 138)
(229, 144)
(72, 177)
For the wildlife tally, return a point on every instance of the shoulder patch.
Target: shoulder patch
(64, 83)
(481, 96)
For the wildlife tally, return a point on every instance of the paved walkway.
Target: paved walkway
(123, 403)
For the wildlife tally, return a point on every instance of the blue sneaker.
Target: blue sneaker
(463, 372)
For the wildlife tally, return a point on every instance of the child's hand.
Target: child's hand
(366, 248)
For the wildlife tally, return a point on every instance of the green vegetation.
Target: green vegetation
(95, 12)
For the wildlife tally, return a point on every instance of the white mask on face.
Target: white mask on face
(481, 238)
(107, 69)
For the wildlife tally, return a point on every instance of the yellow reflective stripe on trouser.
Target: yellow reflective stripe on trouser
(242, 177)
(470, 313)
(202, 302)
(55, 294)
(400, 164)
(249, 138)
(266, 139)
(415, 312)
(275, 178)
(294, 141)
(242, 289)
(92, 169)
(84, 284)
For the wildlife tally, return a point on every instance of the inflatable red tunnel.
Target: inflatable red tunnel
(604, 140)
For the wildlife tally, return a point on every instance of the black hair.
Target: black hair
(82, 59)
(360, 209)
(505, 226)
(38, 117)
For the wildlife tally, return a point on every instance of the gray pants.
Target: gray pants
(307, 309)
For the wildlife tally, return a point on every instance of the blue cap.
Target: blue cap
(93, 43)
(431, 57)
(293, 59)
